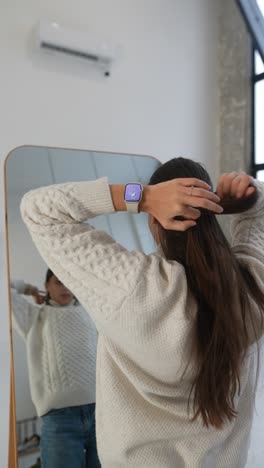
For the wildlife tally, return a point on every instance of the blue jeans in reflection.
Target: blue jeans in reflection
(68, 438)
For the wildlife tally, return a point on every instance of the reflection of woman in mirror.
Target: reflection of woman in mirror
(175, 375)
(61, 344)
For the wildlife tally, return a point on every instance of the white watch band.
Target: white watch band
(132, 207)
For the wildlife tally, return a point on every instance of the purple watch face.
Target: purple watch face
(133, 192)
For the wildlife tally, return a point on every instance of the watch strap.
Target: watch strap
(132, 207)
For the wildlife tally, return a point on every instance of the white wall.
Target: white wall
(160, 100)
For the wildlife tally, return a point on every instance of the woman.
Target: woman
(61, 342)
(175, 378)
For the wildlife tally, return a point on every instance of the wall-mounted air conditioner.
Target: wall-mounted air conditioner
(54, 37)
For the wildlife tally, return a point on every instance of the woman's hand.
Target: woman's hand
(179, 197)
(235, 185)
(31, 290)
(35, 293)
(40, 299)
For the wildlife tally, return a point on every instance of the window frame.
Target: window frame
(256, 78)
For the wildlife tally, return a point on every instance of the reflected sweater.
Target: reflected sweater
(145, 316)
(61, 346)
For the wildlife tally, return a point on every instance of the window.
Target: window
(258, 113)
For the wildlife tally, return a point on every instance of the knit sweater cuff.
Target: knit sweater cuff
(94, 198)
(18, 285)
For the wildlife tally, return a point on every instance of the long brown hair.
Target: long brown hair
(224, 290)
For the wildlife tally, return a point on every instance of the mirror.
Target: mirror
(54, 339)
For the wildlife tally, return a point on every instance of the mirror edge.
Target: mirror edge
(74, 149)
(12, 447)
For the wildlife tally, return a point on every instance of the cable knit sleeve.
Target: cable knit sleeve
(247, 230)
(100, 272)
(23, 313)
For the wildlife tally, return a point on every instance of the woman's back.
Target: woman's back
(149, 374)
(151, 423)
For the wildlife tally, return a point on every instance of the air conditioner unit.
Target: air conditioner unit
(54, 37)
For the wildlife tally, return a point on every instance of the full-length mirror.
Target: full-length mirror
(54, 339)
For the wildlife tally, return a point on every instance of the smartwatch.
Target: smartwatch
(132, 196)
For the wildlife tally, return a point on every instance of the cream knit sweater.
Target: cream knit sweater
(144, 314)
(61, 351)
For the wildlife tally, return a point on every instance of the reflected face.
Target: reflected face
(58, 292)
